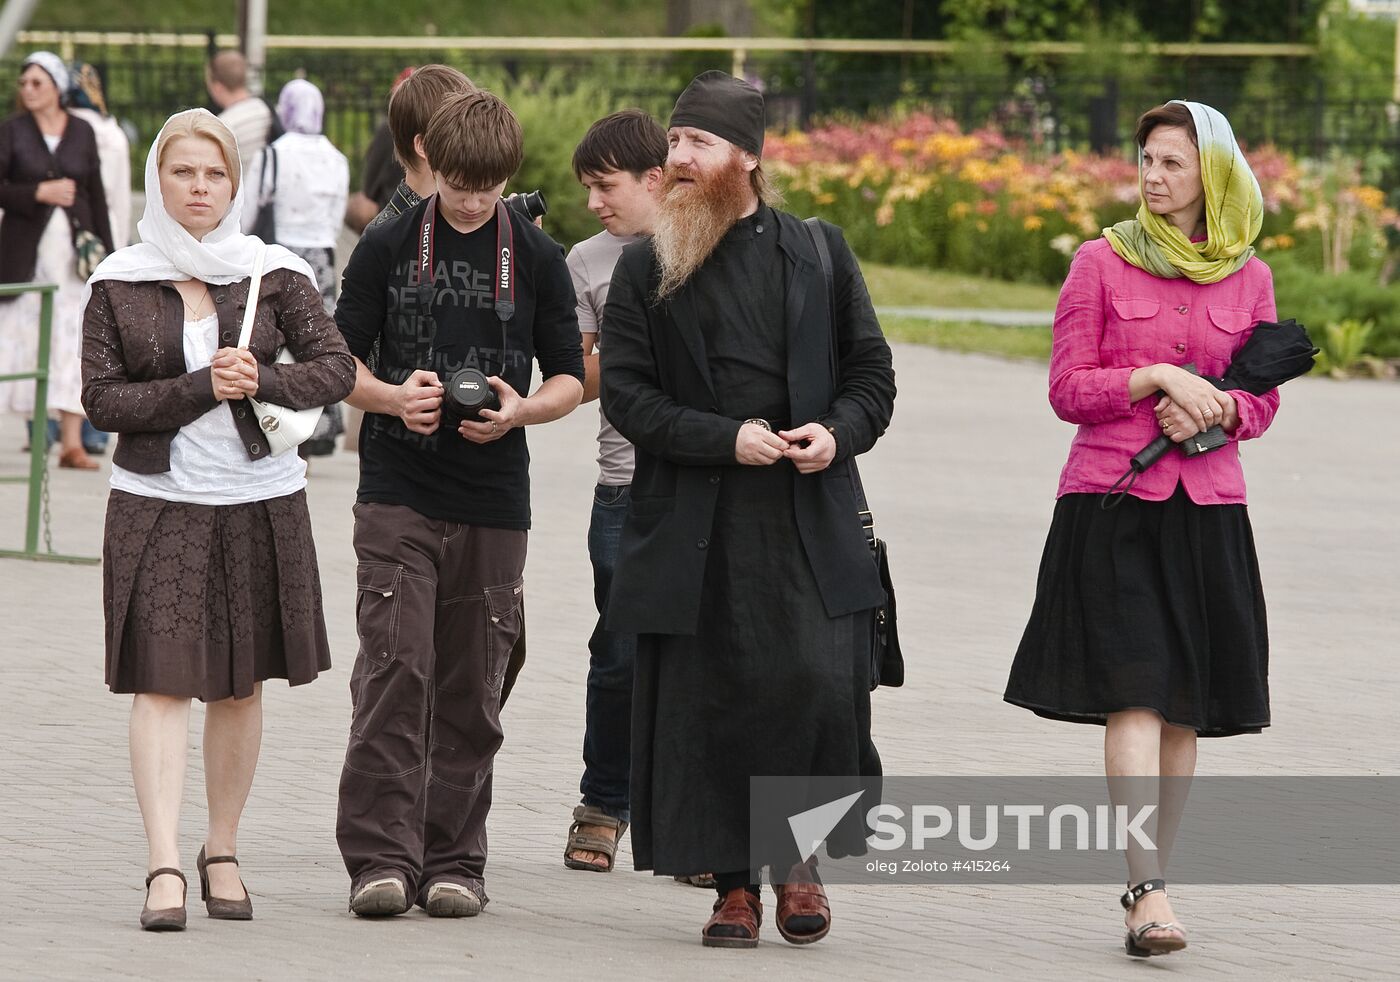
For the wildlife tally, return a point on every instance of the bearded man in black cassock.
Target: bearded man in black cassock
(743, 568)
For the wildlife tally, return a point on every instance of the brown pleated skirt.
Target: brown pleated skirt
(204, 601)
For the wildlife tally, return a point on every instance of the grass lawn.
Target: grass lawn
(897, 286)
(986, 339)
(900, 286)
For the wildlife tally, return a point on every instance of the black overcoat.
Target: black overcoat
(25, 161)
(656, 390)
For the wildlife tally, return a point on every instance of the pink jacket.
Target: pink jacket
(1112, 318)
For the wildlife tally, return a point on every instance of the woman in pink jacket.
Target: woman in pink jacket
(1149, 617)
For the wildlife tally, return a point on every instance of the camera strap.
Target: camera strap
(421, 277)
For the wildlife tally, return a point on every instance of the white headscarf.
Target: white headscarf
(56, 69)
(168, 252)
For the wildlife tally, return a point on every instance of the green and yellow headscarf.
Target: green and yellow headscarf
(1234, 213)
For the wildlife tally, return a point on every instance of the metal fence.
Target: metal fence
(1278, 101)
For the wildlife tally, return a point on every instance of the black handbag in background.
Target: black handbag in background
(265, 225)
(886, 657)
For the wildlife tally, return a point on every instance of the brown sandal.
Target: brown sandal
(802, 904)
(580, 841)
(735, 921)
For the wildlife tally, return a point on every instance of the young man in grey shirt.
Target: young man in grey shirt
(619, 162)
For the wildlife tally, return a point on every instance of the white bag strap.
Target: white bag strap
(250, 311)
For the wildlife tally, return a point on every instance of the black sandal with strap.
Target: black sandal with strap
(1137, 943)
(580, 841)
(166, 918)
(219, 908)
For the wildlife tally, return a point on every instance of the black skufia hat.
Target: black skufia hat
(728, 107)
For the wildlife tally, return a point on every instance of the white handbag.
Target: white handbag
(284, 428)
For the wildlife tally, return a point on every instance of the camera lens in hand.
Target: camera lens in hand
(467, 393)
(530, 204)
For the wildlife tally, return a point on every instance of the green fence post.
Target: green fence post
(38, 431)
(39, 428)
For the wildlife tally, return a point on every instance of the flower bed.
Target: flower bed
(917, 191)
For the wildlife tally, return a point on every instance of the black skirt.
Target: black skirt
(1154, 605)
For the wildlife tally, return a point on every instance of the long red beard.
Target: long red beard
(692, 218)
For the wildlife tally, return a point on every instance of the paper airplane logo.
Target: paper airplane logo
(810, 828)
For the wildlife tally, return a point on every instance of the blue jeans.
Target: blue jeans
(607, 734)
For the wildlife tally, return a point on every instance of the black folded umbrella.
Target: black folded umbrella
(1275, 353)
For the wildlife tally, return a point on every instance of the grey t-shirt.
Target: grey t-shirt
(591, 265)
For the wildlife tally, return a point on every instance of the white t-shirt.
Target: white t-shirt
(209, 464)
(591, 265)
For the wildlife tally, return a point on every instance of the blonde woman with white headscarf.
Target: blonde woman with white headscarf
(210, 581)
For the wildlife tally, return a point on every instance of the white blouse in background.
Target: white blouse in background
(313, 182)
(209, 464)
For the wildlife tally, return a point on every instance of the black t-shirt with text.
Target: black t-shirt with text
(443, 475)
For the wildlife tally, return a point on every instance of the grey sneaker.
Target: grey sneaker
(452, 900)
(380, 898)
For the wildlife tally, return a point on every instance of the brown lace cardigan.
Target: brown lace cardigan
(135, 382)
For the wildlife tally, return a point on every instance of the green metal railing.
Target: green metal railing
(38, 436)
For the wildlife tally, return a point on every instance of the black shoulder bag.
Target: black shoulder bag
(265, 225)
(886, 659)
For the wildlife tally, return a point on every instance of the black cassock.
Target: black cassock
(769, 684)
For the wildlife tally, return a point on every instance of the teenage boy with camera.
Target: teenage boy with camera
(619, 162)
(461, 293)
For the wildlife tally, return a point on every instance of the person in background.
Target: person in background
(312, 182)
(381, 175)
(305, 180)
(411, 105)
(87, 101)
(53, 199)
(619, 162)
(250, 119)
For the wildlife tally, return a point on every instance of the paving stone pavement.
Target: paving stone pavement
(963, 488)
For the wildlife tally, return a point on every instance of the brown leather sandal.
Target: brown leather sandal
(580, 841)
(735, 921)
(804, 914)
(218, 907)
(166, 918)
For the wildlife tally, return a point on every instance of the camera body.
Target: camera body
(531, 204)
(466, 393)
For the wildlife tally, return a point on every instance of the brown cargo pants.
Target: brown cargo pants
(438, 607)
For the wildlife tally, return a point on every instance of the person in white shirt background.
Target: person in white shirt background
(310, 187)
(226, 78)
(305, 180)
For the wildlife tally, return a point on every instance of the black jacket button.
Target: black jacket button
(714, 478)
(242, 413)
(254, 448)
(702, 544)
(218, 298)
(226, 336)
